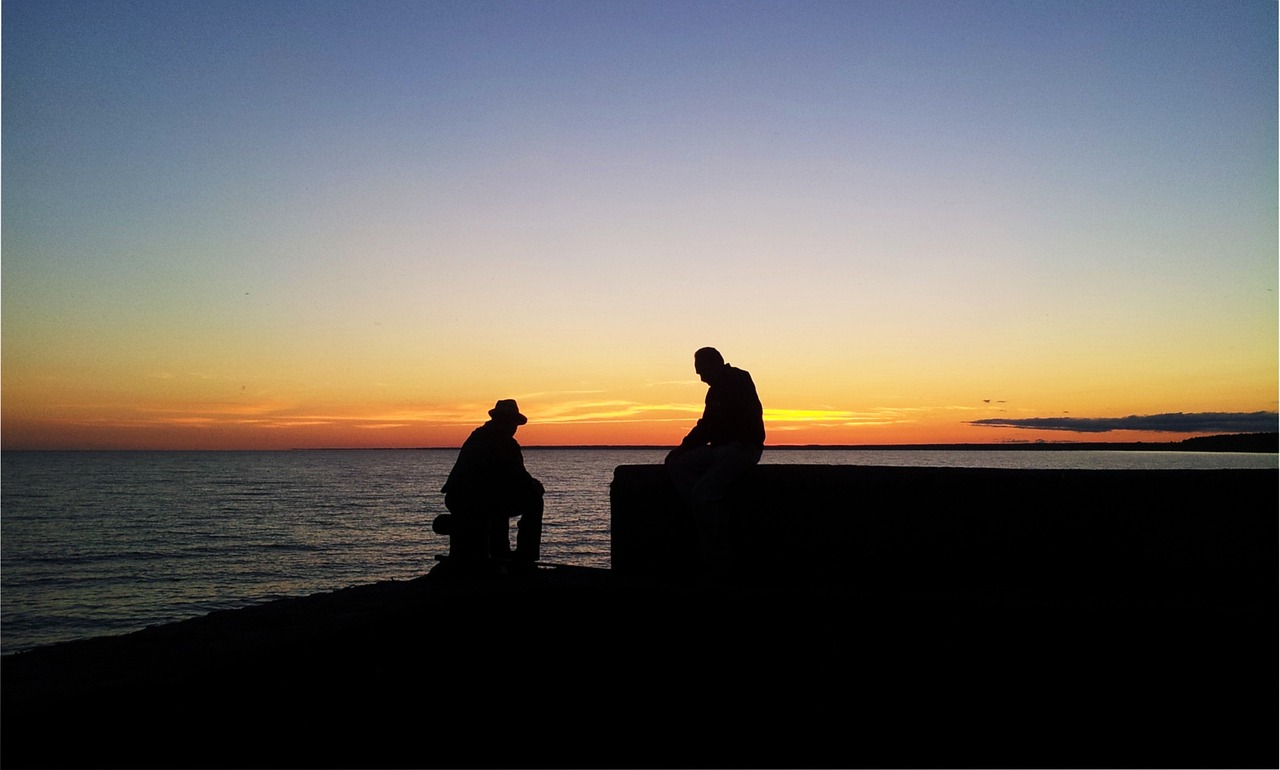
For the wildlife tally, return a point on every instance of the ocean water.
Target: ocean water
(97, 543)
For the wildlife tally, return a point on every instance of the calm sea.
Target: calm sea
(96, 543)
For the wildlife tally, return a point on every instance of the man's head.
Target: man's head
(507, 414)
(708, 363)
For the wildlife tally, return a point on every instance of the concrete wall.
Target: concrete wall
(1149, 535)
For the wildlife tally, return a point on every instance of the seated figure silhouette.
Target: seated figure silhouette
(487, 487)
(725, 442)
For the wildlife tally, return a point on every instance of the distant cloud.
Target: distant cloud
(1176, 422)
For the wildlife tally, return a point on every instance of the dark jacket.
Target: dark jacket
(732, 413)
(490, 467)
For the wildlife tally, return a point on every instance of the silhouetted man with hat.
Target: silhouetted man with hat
(487, 487)
(728, 440)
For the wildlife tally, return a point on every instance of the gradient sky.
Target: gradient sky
(276, 224)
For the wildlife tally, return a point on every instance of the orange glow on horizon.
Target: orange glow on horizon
(445, 428)
(618, 413)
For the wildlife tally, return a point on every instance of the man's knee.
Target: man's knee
(684, 467)
(709, 491)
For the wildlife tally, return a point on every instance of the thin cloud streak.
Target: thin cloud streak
(610, 411)
(1175, 422)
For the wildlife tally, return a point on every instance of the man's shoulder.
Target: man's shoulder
(491, 435)
(483, 436)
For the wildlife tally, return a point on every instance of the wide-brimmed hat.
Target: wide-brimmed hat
(506, 409)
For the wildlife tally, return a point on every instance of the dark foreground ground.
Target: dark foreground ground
(573, 667)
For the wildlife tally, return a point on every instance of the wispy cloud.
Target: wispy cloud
(274, 415)
(1174, 422)
(612, 411)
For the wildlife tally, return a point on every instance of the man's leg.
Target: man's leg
(727, 462)
(498, 535)
(713, 470)
(469, 530)
(529, 530)
(686, 467)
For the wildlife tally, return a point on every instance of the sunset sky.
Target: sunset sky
(276, 224)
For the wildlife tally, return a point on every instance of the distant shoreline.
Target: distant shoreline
(1259, 443)
(1255, 443)
(1244, 442)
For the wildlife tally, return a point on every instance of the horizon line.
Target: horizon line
(1029, 444)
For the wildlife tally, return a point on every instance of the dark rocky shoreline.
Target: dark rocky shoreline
(575, 667)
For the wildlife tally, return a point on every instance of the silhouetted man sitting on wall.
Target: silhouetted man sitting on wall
(488, 486)
(728, 440)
